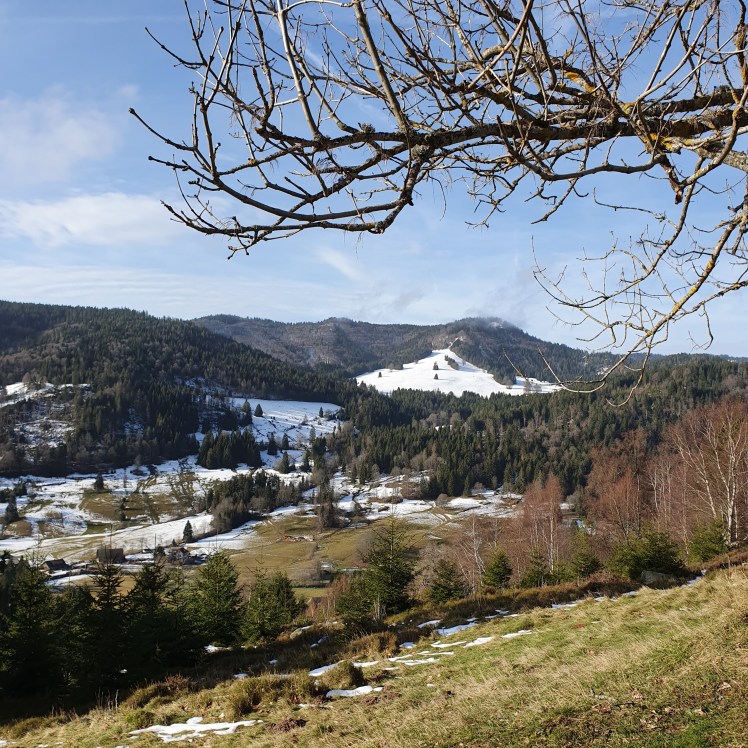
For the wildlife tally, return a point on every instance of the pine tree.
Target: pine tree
(272, 605)
(446, 582)
(187, 534)
(391, 560)
(29, 653)
(498, 571)
(258, 411)
(272, 449)
(110, 644)
(217, 600)
(11, 511)
(583, 561)
(284, 465)
(537, 572)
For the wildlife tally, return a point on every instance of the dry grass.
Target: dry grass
(663, 668)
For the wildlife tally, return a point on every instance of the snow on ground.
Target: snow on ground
(194, 728)
(360, 691)
(421, 375)
(291, 417)
(62, 527)
(65, 518)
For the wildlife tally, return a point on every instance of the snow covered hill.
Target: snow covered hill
(445, 371)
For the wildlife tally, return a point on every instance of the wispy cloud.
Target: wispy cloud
(44, 139)
(109, 219)
(343, 262)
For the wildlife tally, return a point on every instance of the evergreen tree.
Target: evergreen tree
(148, 620)
(708, 541)
(284, 465)
(246, 414)
(446, 582)
(272, 449)
(285, 444)
(650, 551)
(258, 411)
(583, 561)
(98, 484)
(537, 573)
(217, 601)
(390, 560)
(187, 534)
(498, 571)
(109, 632)
(358, 604)
(11, 511)
(29, 655)
(271, 606)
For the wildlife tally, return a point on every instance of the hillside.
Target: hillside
(87, 389)
(358, 347)
(660, 668)
(444, 371)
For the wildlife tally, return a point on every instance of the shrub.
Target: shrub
(498, 571)
(650, 551)
(708, 541)
(380, 644)
(139, 719)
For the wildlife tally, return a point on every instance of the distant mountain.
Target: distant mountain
(358, 347)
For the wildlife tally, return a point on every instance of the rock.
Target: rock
(657, 579)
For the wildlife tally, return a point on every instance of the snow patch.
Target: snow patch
(458, 378)
(194, 728)
(360, 691)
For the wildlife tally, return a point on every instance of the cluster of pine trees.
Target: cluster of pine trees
(249, 496)
(84, 642)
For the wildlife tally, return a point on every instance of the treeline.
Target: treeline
(249, 496)
(352, 348)
(513, 441)
(88, 643)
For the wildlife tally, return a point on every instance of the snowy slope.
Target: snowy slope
(421, 375)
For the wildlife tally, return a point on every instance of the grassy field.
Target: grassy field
(662, 668)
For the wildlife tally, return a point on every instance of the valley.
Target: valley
(202, 542)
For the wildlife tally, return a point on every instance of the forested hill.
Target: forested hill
(129, 385)
(357, 347)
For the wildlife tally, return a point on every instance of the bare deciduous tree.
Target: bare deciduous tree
(333, 114)
(711, 444)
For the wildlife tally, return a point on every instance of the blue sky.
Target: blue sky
(81, 223)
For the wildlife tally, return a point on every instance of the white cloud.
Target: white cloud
(345, 263)
(109, 219)
(44, 139)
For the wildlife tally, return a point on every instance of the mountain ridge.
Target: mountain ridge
(357, 347)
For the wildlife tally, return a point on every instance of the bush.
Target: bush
(708, 541)
(446, 582)
(651, 551)
(139, 719)
(378, 645)
(498, 571)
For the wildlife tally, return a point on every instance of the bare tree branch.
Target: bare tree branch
(534, 97)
